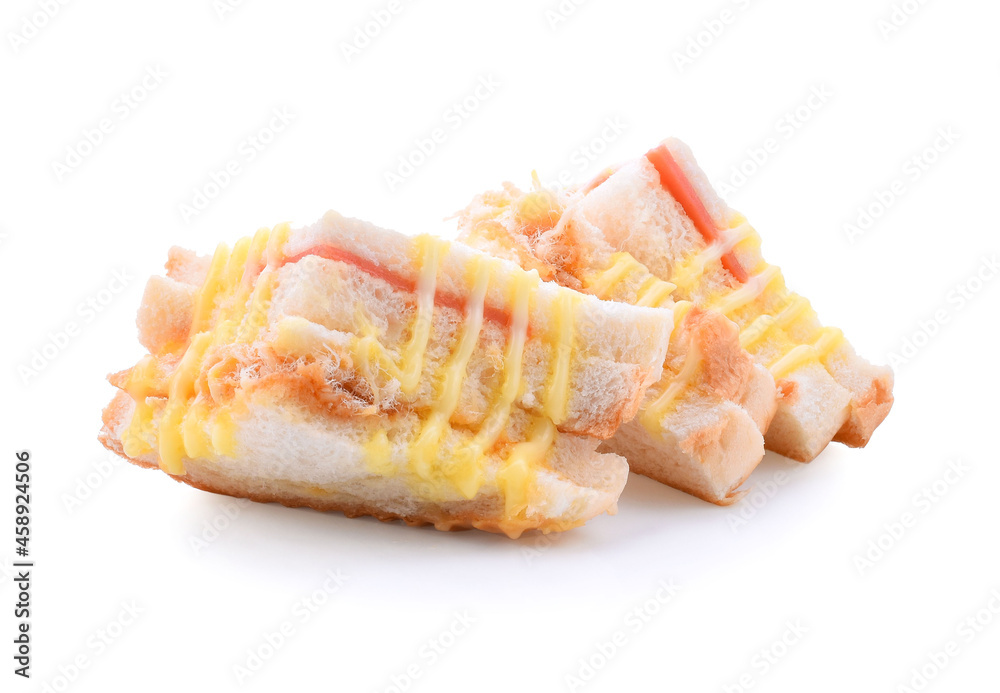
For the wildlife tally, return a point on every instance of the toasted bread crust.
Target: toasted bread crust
(867, 411)
(432, 515)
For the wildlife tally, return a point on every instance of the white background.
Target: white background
(541, 606)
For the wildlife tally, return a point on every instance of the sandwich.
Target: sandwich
(345, 367)
(660, 212)
(701, 426)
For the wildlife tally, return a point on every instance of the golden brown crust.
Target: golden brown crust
(867, 412)
(446, 521)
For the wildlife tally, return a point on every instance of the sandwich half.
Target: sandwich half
(701, 427)
(661, 210)
(345, 367)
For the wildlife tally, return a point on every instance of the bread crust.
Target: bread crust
(444, 517)
(868, 411)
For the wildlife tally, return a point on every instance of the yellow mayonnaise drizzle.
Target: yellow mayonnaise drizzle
(653, 291)
(431, 250)
(424, 451)
(180, 392)
(689, 272)
(516, 478)
(464, 470)
(557, 391)
(655, 411)
(190, 428)
(756, 330)
(141, 384)
(681, 309)
(378, 454)
(621, 265)
(468, 456)
(754, 287)
(829, 339)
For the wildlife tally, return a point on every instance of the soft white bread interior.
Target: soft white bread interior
(700, 428)
(826, 391)
(286, 370)
(616, 352)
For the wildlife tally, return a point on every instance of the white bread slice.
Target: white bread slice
(297, 459)
(832, 394)
(710, 438)
(283, 407)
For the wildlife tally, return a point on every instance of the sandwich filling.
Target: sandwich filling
(765, 331)
(188, 400)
